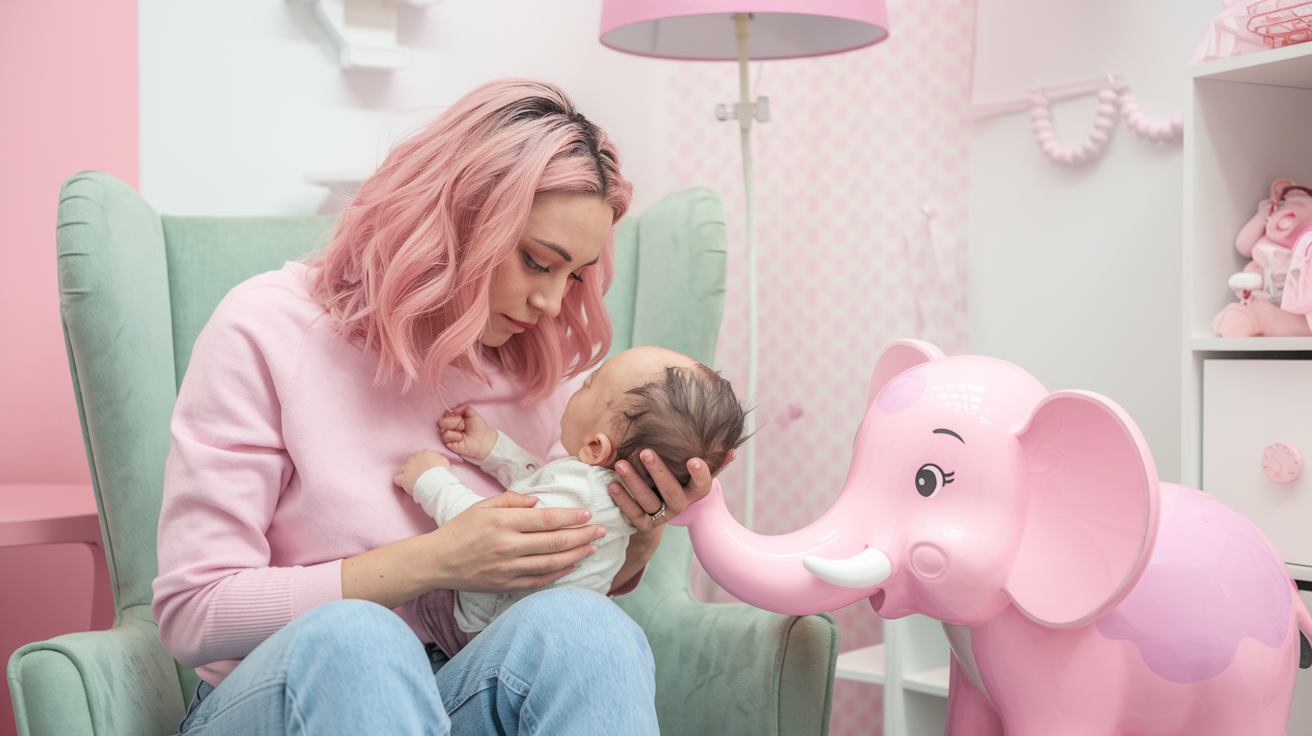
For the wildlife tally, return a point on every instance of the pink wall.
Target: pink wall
(68, 81)
(68, 89)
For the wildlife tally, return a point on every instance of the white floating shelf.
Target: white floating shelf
(1250, 344)
(364, 31)
(1289, 66)
(933, 682)
(862, 665)
(337, 178)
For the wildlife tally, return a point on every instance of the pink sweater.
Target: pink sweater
(282, 463)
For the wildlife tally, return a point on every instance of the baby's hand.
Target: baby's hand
(416, 465)
(466, 433)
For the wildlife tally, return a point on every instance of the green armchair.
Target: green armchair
(135, 290)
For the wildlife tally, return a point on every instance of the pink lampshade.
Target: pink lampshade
(702, 30)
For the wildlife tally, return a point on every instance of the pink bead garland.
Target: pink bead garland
(1104, 120)
(1153, 130)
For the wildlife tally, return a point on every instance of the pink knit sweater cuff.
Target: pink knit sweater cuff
(251, 606)
(316, 584)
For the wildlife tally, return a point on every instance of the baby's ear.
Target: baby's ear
(598, 451)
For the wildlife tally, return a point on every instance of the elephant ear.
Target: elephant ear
(899, 356)
(1093, 511)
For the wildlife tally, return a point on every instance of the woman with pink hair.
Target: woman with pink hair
(309, 593)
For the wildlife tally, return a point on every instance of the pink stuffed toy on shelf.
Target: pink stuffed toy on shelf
(1081, 596)
(1268, 239)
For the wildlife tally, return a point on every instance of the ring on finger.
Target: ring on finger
(660, 514)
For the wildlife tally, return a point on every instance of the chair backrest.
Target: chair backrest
(136, 289)
(207, 256)
(670, 271)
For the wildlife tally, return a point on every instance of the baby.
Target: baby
(645, 397)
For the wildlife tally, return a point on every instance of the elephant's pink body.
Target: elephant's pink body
(1080, 595)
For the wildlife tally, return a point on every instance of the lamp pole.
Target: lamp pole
(746, 112)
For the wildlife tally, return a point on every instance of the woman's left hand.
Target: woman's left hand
(639, 503)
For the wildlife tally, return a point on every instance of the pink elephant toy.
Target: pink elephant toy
(1081, 596)
(1267, 239)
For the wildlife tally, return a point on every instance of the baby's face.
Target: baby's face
(594, 408)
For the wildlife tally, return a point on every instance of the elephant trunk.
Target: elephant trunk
(822, 567)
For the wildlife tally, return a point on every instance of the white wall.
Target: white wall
(1075, 272)
(240, 99)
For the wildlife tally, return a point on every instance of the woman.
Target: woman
(469, 269)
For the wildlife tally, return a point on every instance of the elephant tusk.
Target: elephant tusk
(868, 568)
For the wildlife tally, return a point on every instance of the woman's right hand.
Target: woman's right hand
(503, 543)
(499, 544)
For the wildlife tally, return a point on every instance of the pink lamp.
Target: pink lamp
(719, 30)
(697, 30)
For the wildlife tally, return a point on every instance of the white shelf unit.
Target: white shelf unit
(1246, 125)
(912, 667)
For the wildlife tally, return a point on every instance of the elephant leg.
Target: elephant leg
(1273, 321)
(969, 712)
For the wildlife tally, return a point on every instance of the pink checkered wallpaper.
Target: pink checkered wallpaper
(857, 145)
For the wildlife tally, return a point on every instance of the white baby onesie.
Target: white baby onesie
(564, 483)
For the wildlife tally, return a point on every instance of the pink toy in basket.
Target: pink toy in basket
(1079, 594)
(1268, 239)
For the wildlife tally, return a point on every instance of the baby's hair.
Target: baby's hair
(686, 413)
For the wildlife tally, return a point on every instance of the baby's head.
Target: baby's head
(653, 398)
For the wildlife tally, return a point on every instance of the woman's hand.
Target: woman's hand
(498, 544)
(503, 543)
(639, 507)
(639, 502)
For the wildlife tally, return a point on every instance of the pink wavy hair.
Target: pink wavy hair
(414, 253)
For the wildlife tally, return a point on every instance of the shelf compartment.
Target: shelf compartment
(862, 665)
(1238, 145)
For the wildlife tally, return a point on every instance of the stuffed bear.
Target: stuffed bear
(1268, 239)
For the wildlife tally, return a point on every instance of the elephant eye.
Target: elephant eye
(930, 478)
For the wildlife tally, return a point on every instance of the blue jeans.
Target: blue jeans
(563, 661)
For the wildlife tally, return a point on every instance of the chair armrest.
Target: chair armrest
(731, 669)
(119, 681)
(735, 669)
